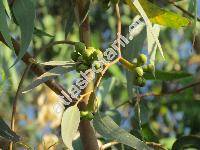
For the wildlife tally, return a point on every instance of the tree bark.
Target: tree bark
(87, 134)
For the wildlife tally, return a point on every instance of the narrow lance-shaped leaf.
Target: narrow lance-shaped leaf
(69, 125)
(58, 63)
(24, 13)
(7, 133)
(152, 47)
(109, 129)
(39, 32)
(137, 4)
(49, 75)
(3, 26)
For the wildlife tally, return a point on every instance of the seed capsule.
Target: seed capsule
(87, 54)
(97, 53)
(141, 60)
(75, 55)
(86, 115)
(145, 68)
(139, 71)
(140, 81)
(150, 67)
(82, 67)
(80, 47)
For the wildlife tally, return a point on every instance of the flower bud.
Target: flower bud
(96, 53)
(139, 71)
(75, 55)
(140, 81)
(150, 67)
(81, 67)
(86, 115)
(141, 60)
(87, 54)
(80, 47)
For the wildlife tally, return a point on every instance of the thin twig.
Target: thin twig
(119, 28)
(184, 11)
(161, 94)
(171, 92)
(37, 69)
(24, 145)
(51, 44)
(52, 145)
(16, 98)
(100, 76)
(107, 145)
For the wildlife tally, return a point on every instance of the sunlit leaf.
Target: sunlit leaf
(58, 63)
(24, 12)
(109, 129)
(160, 16)
(137, 4)
(69, 125)
(166, 76)
(49, 75)
(7, 133)
(4, 27)
(191, 141)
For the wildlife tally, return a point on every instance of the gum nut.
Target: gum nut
(139, 71)
(142, 59)
(80, 47)
(150, 67)
(75, 56)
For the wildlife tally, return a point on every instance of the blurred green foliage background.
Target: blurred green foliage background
(163, 118)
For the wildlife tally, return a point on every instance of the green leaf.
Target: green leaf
(152, 35)
(69, 125)
(115, 115)
(7, 133)
(70, 17)
(166, 76)
(40, 33)
(49, 75)
(24, 12)
(4, 27)
(191, 141)
(109, 129)
(160, 16)
(58, 63)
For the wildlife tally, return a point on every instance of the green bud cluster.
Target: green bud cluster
(86, 56)
(86, 115)
(141, 69)
(138, 71)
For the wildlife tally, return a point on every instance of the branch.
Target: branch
(37, 69)
(108, 145)
(119, 27)
(87, 133)
(171, 92)
(157, 95)
(51, 44)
